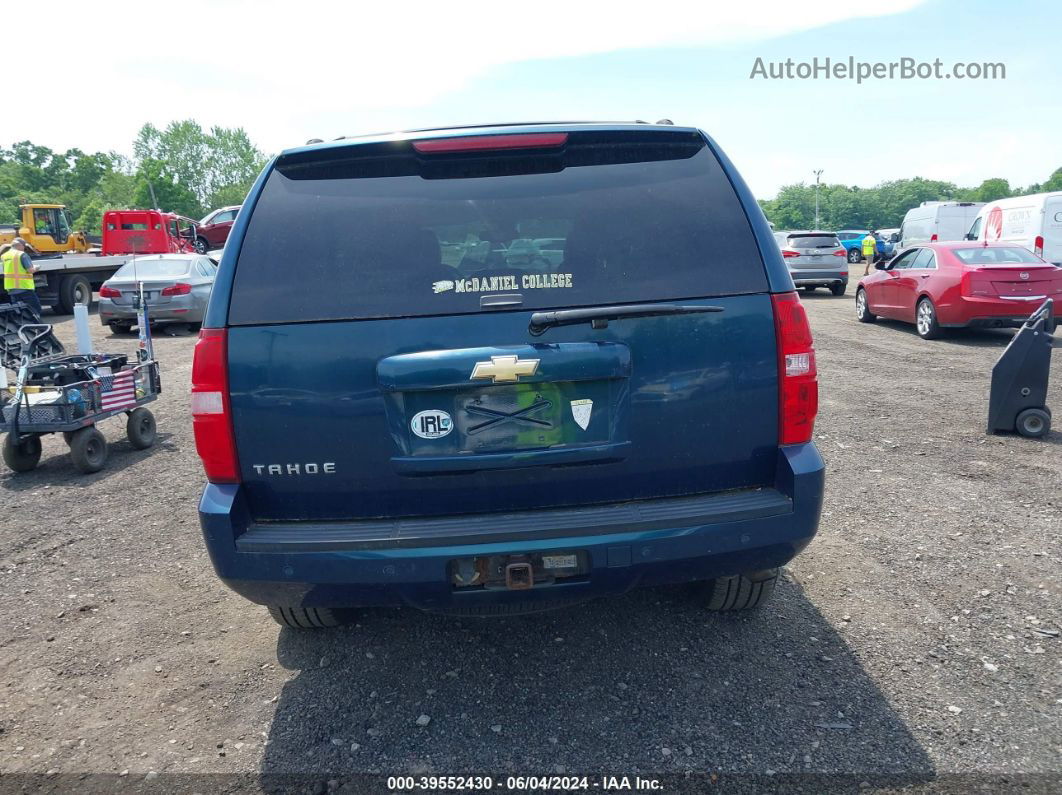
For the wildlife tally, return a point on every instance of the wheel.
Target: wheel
(67, 436)
(863, 313)
(1034, 423)
(741, 592)
(74, 289)
(22, 457)
(854, 255)
(839, 288)
(926, 320)
(201, 245)
(88, 449)
(308, 617)
(120, 327)
(140, 428)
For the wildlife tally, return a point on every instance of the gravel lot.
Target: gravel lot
(915, 642)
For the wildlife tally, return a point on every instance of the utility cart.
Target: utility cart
(56, 392)
(1018, 397)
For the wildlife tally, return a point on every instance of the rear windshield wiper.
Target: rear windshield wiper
(599, 316)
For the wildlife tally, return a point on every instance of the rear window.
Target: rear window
(814, 241)
(379, 231)
(1009, 255)
(153, 268)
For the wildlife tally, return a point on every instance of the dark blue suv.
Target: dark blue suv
(499, 369)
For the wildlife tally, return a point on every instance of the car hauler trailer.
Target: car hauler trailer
(64, 280)
(71, 279)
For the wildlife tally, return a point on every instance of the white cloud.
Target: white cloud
(275, 67)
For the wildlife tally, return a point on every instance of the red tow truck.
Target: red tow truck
(147, 232)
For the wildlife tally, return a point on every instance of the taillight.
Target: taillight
(109, 292)
(840, 253)
(211, 414)
(933, 239)
(482, 143)
(798, 386)
(177, 289)
(789, 253)
(1038, 246)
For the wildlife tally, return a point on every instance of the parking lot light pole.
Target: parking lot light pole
(817, 175)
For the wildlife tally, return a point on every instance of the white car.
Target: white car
(1033, 221)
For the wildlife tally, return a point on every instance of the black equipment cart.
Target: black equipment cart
(1018, 400)
(56, 392)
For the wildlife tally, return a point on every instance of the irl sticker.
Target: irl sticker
(431, 424)
(581, 412)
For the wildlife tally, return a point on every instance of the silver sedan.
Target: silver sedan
(176, 288)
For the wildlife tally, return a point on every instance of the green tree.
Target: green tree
(222, 162)
(1054, 182)
(992, 189)
(155, 185)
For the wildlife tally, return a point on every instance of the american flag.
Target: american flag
(118, 391)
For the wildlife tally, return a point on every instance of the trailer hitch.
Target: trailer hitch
(519, 575)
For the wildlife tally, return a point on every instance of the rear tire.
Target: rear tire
(741, 592)
(854, 256)
(863, 313)
(926, 320)
(307, 617)
(120, 328)
(839, 289)
(74, 289)
(1033, 423)
(22, 457)
(88, 449)
(201, 245)
(140, 428)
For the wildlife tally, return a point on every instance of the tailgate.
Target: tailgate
(361, 419)
(383, 365)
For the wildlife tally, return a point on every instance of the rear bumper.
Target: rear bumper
(991, 312)
(809, 277)
(627, 544)
(180, 308)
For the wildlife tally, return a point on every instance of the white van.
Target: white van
(931, 222)
(1034, 222)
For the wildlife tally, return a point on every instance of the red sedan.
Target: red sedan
(959, 285)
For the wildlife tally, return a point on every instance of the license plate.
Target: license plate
(559, 561)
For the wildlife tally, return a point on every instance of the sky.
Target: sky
(288, 71)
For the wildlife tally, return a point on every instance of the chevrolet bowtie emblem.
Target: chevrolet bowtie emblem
(504, 369)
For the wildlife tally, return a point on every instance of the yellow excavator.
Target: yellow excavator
(46, 230)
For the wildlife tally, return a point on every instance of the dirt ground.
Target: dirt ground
(916, 642)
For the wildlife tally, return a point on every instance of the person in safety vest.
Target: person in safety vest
(18, 276)
(870, 247)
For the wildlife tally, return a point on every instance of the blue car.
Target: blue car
(852, 240)
(392, 408)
